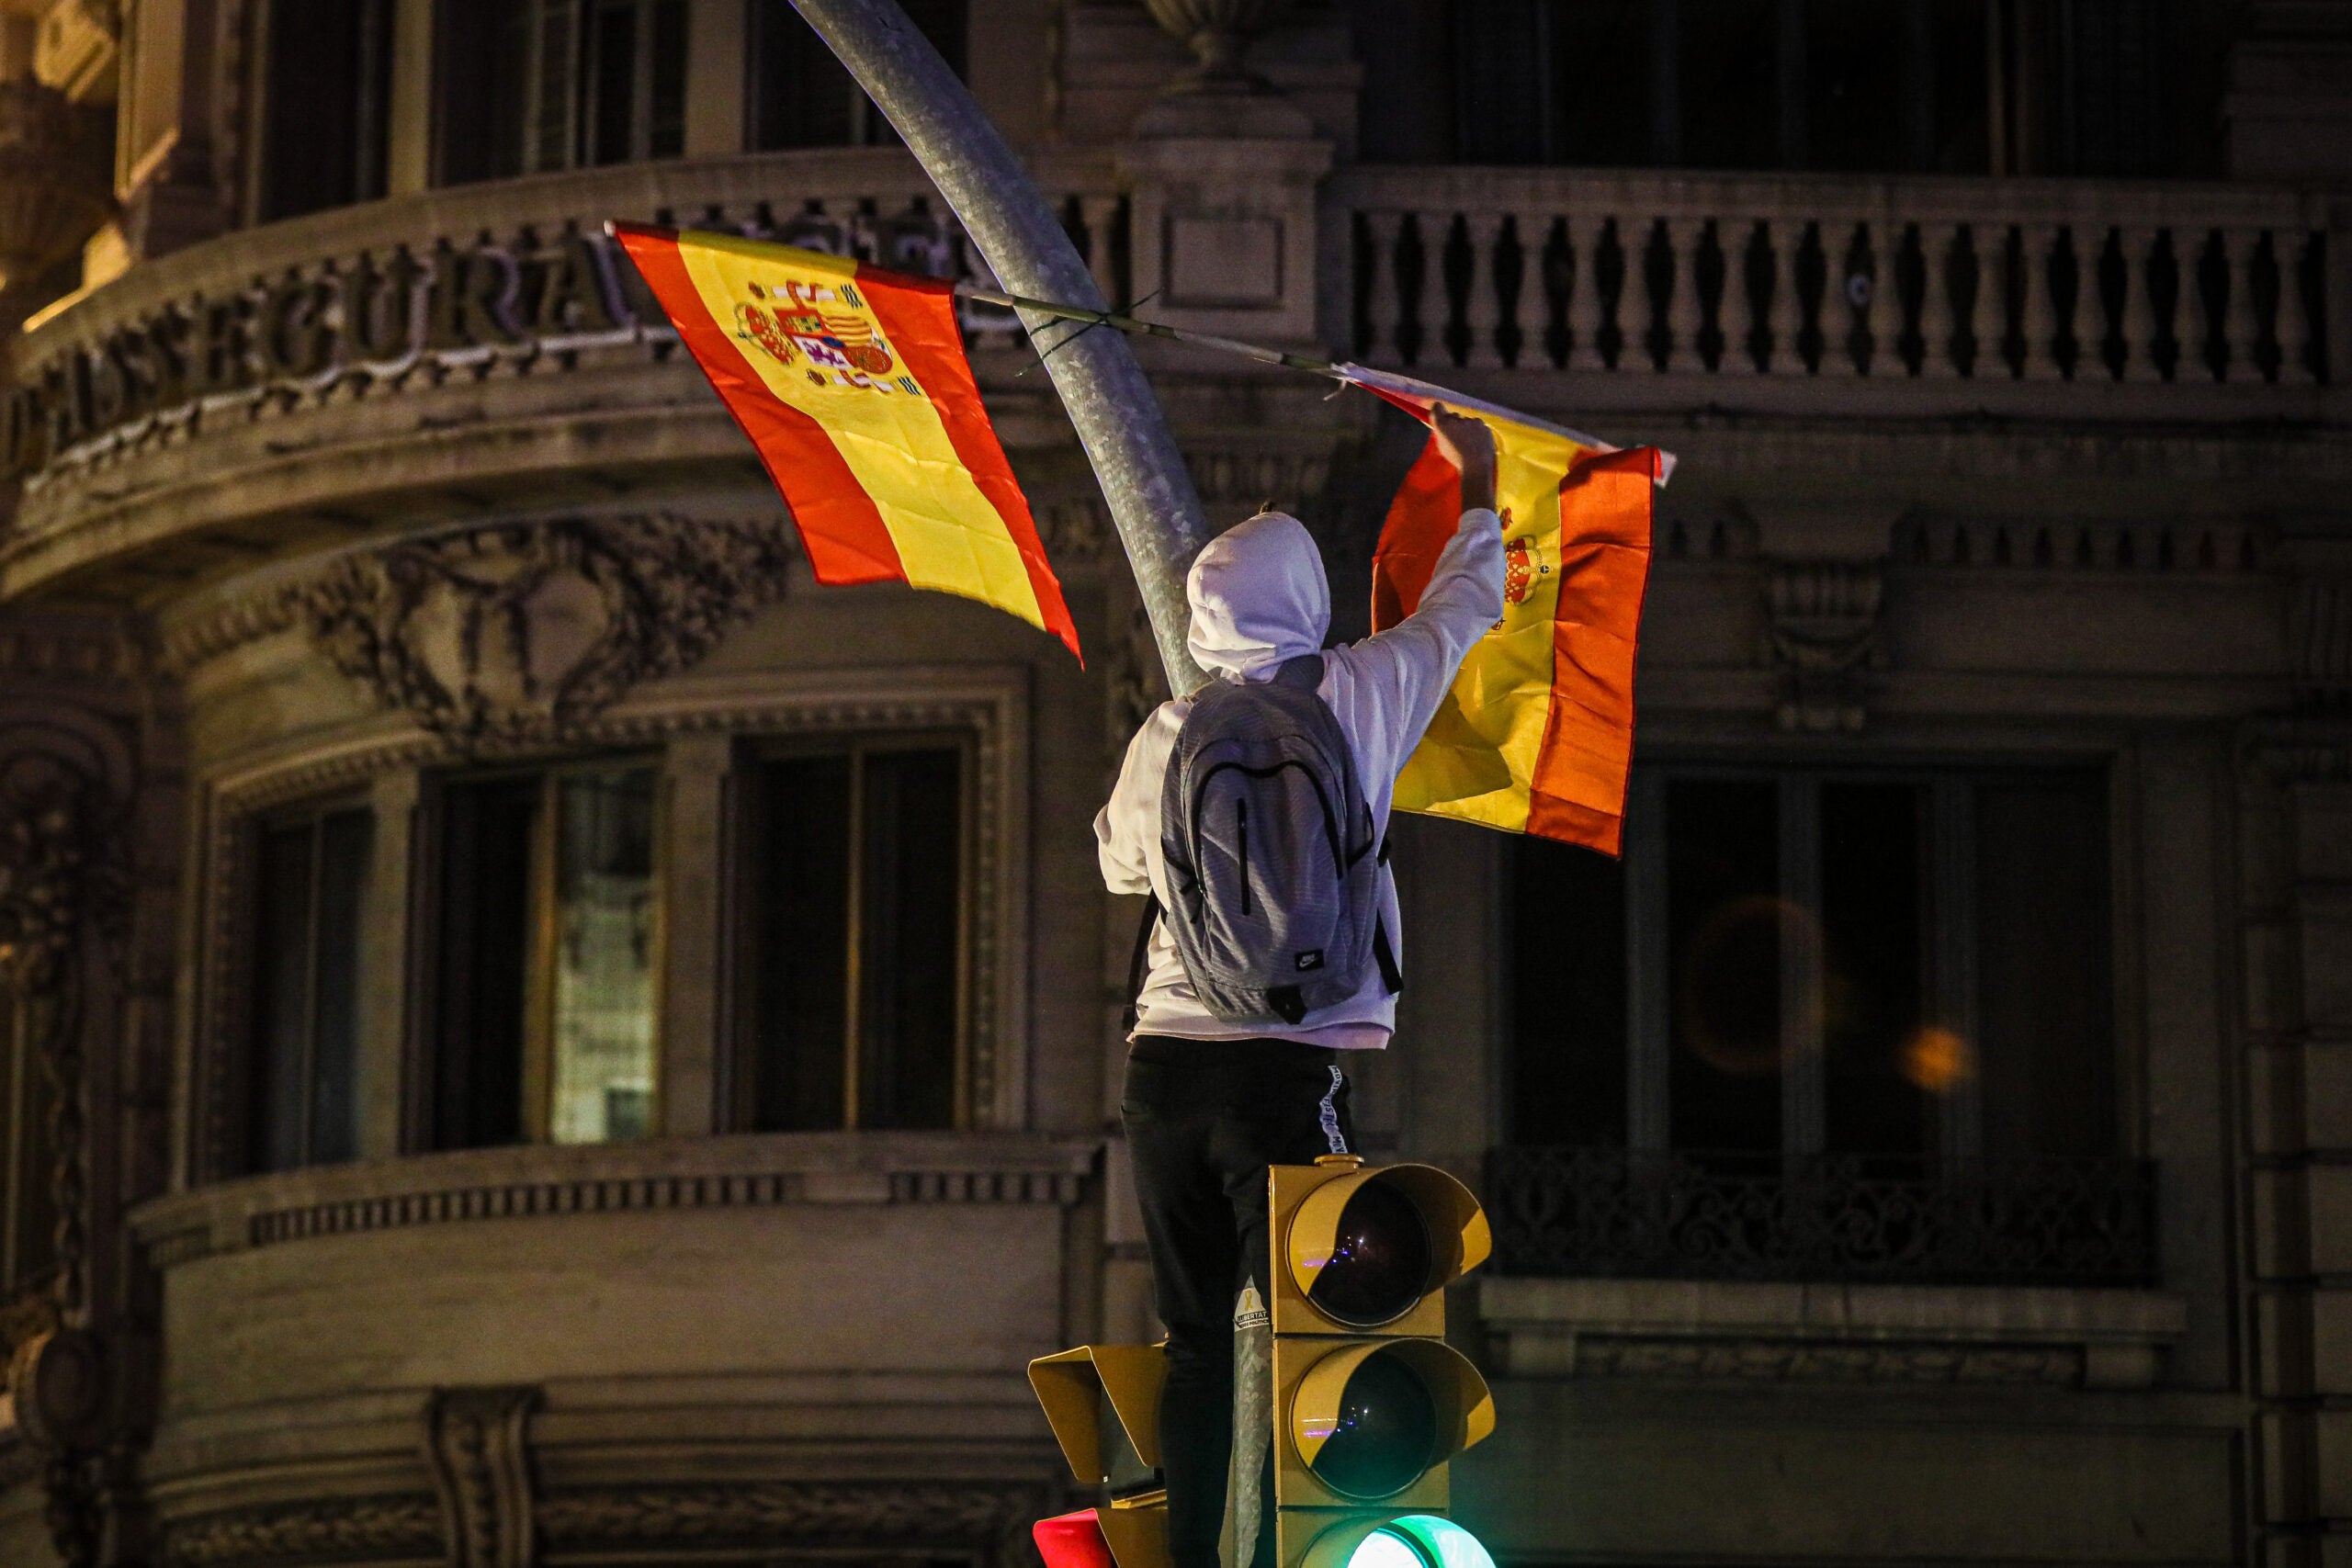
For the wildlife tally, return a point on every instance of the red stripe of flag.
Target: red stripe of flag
(919, 318)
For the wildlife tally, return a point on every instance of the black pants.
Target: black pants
(1205, 1118)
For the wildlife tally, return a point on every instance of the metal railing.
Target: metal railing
(1615, 1212)
(1827, 276)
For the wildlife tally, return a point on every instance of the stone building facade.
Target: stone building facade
(537, 1036)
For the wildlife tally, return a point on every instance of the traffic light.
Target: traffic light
(1368, 1401)
(1103, 1402)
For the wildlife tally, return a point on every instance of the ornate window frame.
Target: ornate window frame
(989, 702)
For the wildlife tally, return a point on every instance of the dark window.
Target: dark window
(856, 945)
(543, 997)
(1569, 995)
(27, 1159)
(1899, 969)
(803, 96)
(1726, 924)
(526, 87)
(327, 79)
(1860, 85)
(2107, 70)
(309, 876)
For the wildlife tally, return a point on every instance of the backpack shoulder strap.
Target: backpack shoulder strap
(1136, 961)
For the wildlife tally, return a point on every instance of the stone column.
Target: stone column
(163, 172)
(2298, 959)
(1224, 171)
(2296, 897)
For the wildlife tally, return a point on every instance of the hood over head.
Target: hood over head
(1259, 596)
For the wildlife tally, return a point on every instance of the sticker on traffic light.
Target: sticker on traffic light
(1370, 1403)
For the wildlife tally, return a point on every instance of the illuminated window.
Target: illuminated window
(543, 1008)
(856, 945)
(310, 878)
(1897, 968)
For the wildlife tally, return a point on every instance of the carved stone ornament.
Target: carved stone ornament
(1823, 637)
(361, 1530)
(520, 632)
(936, 1515)
(47, 205)
(62, 1390)
(477, 1440)
(1134, 683)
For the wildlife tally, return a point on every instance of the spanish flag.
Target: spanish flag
(853, 385)
(1537, 734)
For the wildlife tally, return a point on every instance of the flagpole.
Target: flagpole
(1352, 375)
(1143, 474)
(1137, 325)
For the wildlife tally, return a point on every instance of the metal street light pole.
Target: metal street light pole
(1143, 475)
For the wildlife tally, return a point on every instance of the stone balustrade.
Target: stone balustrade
(1999, 291)
(327, 372)
(302, 372)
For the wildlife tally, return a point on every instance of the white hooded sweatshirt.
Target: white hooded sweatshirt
(1258, 598)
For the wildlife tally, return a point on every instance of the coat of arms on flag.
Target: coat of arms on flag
(853, 385)
(1537, 734)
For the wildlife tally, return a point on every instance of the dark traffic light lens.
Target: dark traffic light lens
(1381, 1260)
(1386, 1433)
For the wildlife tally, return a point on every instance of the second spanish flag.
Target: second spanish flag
(853, 385)
(1537, 732)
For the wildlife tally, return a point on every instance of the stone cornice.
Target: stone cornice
(750, 1170)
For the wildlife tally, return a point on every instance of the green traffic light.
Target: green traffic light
(1420, 1540)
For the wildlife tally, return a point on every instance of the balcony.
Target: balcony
(459, 350)
(1611, 1263)
(2083, 1224)
(1800, 294)
(428, 354)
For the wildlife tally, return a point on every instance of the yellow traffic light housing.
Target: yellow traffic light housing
(1370, 1403)
(1103, 1402)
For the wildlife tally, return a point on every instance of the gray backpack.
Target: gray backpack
(1269, 845)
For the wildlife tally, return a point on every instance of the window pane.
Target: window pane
(800, 1056)
(666, 136)
(334, 1028)
(281, 1004)
(801, 95)
(2047, 1047)
(1725, 923)
(1730, 84)
(2110, 81)
(1567, 1082)
(1873, 950)
(1962, 109)
(908, 961)
(1853, 85)
(483, 970)
(322, 105)
(603, 1008)
(612, 77)
(481, 60)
